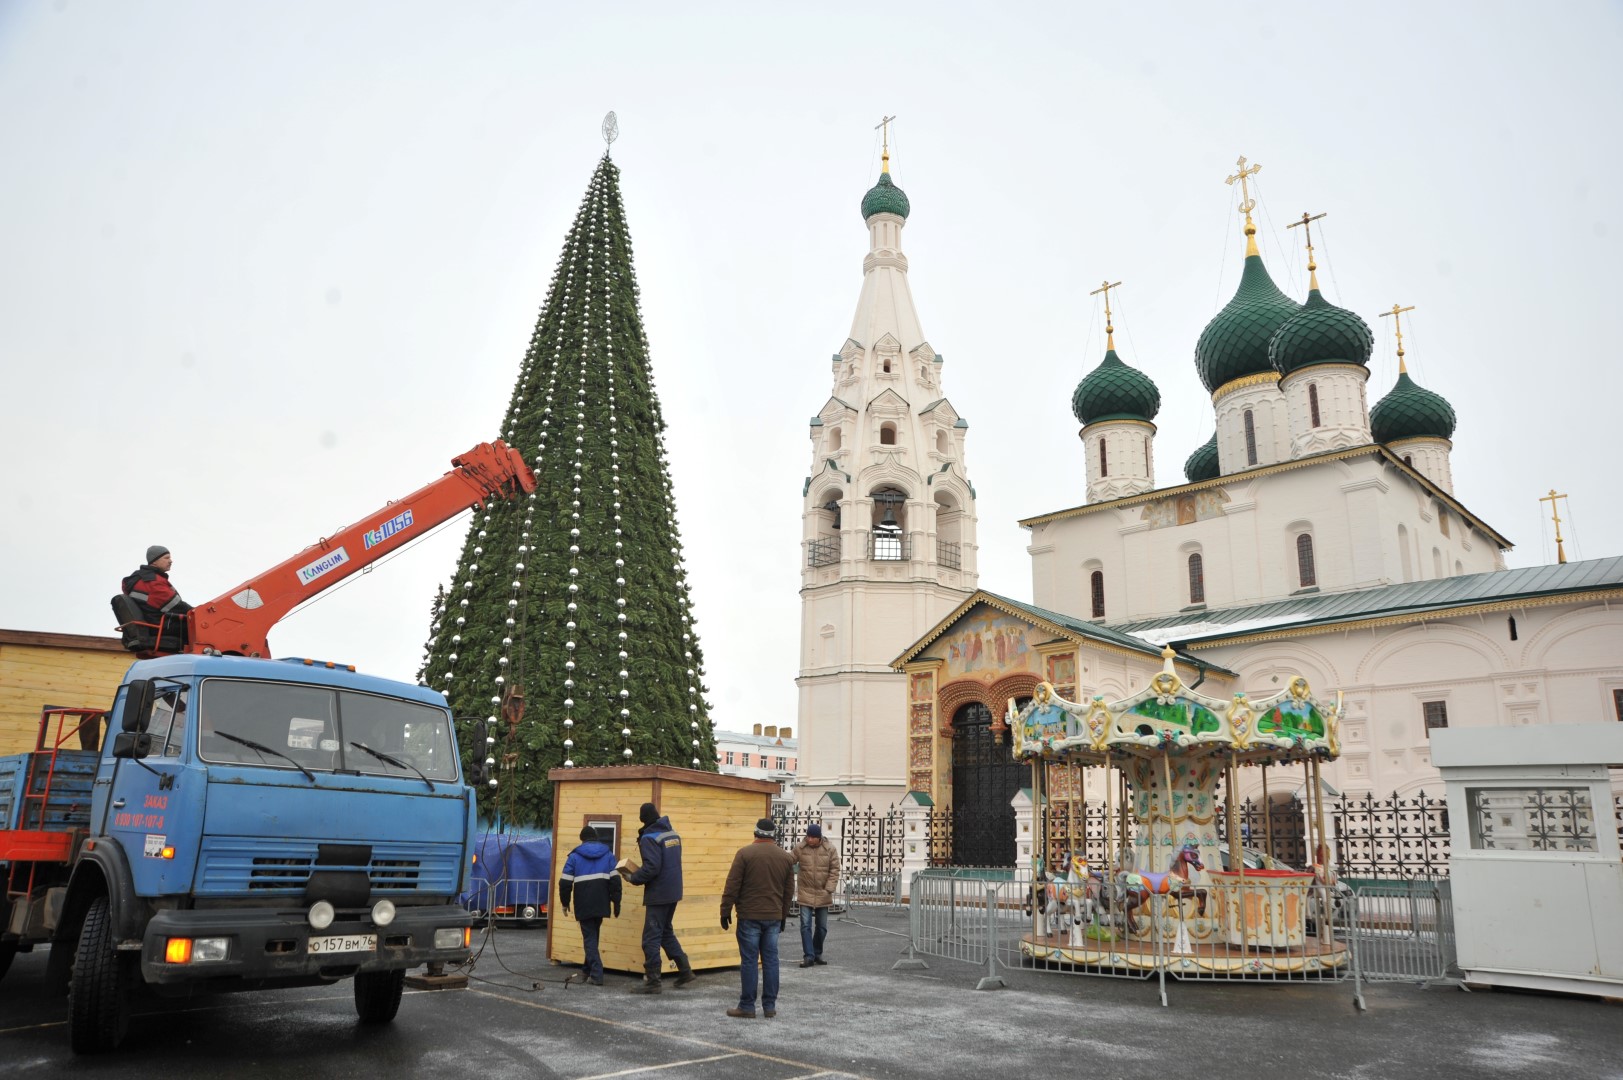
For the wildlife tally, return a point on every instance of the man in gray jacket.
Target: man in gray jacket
(759, 884)
(819, 862)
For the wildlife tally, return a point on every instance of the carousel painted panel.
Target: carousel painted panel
(1264, 908)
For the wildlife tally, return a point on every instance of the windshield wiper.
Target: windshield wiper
(262, 748)
(396, 762)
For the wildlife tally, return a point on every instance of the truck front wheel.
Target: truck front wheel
(377, 995)
(8, 949)
(99, 994)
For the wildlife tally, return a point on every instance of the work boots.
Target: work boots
(650, 980)
(684, 973)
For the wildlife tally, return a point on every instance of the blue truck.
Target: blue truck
(243, 824)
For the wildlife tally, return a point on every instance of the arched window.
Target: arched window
(1403, 553)
(1408, 460)
(833, 440)
(1197, 579)
(941, 442)
(887, 365)
(1250, 439)
(887, 435)
(1313, 402)
(1436, 563)
(1097, 583)
(1305, 572)
(1104, 459)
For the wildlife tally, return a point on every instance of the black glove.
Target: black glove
(783, 925)
(727, 922)
(566, 909)
(616, 911)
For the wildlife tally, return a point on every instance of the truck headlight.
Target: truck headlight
(449, 938)
(383, 912)
(321, 914)
(205, 949)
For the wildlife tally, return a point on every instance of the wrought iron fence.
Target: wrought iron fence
(1393, 837)
(870, 843)
(824, 551)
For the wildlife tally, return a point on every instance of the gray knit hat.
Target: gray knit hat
(156, 552)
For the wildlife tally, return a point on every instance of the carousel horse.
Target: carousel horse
(1139, 887)
(1071, 898)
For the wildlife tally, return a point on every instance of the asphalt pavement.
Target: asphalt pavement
(857, 1017)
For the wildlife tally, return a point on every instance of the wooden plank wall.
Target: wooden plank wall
(48, 669)
(713, 822)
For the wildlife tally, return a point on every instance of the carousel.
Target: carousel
(1174, 894)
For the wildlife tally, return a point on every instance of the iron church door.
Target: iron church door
(985, 777)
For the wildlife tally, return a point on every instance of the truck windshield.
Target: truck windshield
(312, 727)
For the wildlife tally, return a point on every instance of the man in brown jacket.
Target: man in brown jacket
(759, 885)
(819, 878)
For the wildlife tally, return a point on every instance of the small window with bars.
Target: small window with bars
(1097, 587)
(1435, 714)
(1197, 579)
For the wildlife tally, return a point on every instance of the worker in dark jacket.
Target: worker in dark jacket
(589, 880)
(149, 587)
(661, 877)
(760, 885)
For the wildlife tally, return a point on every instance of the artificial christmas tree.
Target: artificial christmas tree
(567, 638)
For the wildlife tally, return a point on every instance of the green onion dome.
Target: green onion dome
(1202, 464)
(1410, 411)
(885, 198)
(1320, 333)
(1235, 343)
(1114, 391)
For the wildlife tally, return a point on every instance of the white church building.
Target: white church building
(1313, 535)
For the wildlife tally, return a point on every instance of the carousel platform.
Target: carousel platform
(1310, 957)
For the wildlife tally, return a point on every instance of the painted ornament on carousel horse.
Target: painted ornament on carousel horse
(1138, 887)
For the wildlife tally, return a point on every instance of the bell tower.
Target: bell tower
(888, 545)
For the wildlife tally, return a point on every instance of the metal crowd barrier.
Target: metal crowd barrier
(1403, 931)
(1259, 931)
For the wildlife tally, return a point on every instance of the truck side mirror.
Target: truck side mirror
(137, 706)
(132, 744)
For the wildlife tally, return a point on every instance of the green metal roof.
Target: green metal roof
(1410, 411)
(1203, 463)
(1320, 333)
(1235, 343)
(885, 198)
(1097, 631)
(1113, 391)
(1384, 601)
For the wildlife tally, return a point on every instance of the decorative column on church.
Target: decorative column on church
(913, 813)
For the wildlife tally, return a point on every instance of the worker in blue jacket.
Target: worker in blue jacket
(661, 877)
(589, 881)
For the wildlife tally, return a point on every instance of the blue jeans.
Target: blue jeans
(758, 944)
(811, 943)
(589, 930)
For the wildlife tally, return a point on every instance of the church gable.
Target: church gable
(888, 404)
(834, 410)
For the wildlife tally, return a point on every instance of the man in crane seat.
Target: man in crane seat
(156, 599)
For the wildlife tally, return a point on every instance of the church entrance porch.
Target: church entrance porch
(985, 778)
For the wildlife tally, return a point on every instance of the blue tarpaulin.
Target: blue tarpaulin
(510, 873)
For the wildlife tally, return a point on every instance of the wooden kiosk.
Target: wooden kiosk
(714, 814)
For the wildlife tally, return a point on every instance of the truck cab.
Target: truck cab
(265, 823)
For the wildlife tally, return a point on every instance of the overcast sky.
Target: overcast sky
(266, 266)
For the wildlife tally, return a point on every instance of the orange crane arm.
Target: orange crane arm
(239, 622)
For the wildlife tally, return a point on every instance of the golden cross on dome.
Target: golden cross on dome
(1307, 227)
(1397, 324)
(1110, 331)
(1560, 551)
(1247, 203)
(884, 124)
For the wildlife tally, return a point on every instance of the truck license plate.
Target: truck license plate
(344, 943)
